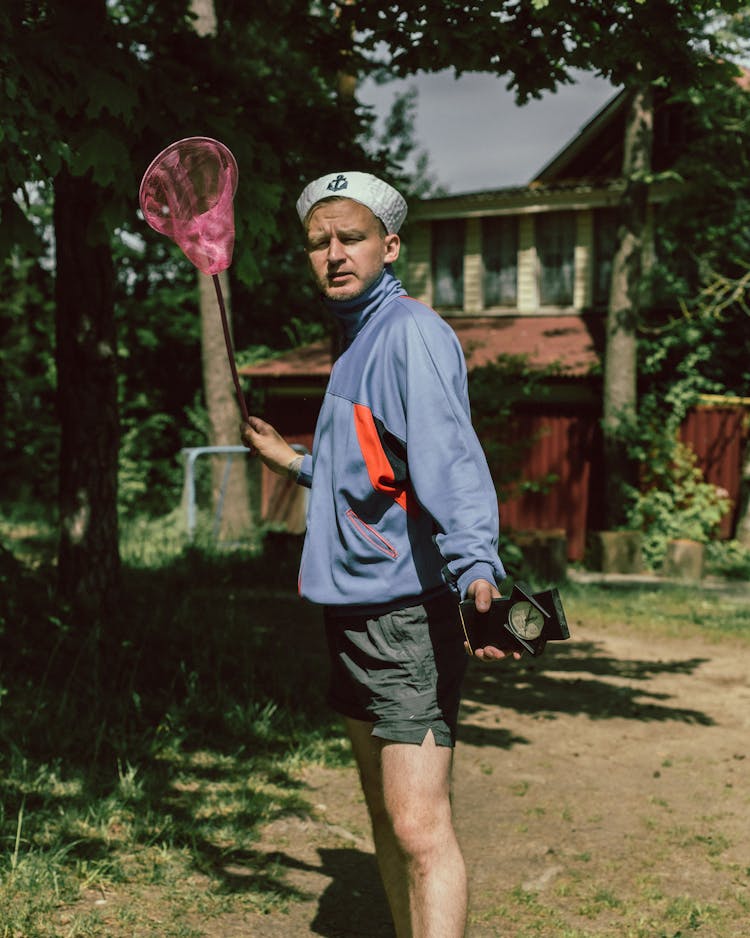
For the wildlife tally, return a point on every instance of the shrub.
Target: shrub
(675, 501)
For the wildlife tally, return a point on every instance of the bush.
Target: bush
(730, 559)
(676, 502)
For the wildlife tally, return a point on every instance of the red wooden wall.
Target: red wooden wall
(565, 445)
(569, 446)
(718, 435)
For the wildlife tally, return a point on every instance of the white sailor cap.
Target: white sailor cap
(382, 199)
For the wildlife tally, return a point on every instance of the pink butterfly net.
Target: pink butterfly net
(187, 194)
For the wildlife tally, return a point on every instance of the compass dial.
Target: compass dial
(526, 620)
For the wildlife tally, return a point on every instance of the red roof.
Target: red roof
(569, 342)
(564, 341)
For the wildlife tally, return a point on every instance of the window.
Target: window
(555, 247)
(499, 261)
(448, 262)
(605, 242)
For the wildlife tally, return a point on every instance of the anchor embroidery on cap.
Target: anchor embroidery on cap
(337, 184)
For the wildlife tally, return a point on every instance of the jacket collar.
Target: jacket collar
(352, 315)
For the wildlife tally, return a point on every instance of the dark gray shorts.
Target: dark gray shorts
(401, 671)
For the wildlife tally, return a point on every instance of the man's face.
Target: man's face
(347, 248)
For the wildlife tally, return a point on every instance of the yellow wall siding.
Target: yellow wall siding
(473, 267)
(418, 277)
(528, 288)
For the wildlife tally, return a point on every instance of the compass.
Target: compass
(524, 621)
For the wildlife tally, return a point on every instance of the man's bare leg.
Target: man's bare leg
(407, 790)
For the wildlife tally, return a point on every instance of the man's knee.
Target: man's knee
(423, 830)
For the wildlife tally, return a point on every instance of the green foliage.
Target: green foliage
(675, 501)
(536, 45)
(299, 332)
(158, 329)
(677, 611)
(672, 499)
(28, 443)
(104, 110)
(729, 559)
(699, 281)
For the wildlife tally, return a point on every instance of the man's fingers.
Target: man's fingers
(252, 428)
(257, 425)
(490, 653)
(246, 435)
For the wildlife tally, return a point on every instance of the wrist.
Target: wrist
(294, 467)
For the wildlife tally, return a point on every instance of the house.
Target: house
(523, 271)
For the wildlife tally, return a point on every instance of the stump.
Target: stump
(615, 552)
(684, 559)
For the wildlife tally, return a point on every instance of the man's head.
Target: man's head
(351, 223)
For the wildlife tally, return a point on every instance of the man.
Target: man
(402, 522)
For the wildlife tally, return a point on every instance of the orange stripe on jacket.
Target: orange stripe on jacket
(378, 466)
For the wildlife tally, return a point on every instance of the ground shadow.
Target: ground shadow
(354, 904)
(572, 680)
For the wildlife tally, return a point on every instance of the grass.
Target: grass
(669, 610)
(149, 754)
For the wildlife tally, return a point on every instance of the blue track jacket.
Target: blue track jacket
(401, 498)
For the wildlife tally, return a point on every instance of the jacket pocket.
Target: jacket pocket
(371, 535)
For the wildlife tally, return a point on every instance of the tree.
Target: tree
(619, 402)
(88, 560)
(229, 488)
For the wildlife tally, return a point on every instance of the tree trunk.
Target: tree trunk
(88, 559)
(743, 518)
(230, 490)
(620, 359)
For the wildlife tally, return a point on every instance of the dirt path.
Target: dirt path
(601, 791)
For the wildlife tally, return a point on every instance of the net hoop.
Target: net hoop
(187, 194)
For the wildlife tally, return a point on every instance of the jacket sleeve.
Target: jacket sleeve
(305, 473)
(447, 466)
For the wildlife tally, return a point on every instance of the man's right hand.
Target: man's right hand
(272, 448)
(483, 592)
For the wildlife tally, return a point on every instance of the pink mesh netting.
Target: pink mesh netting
(186, 194)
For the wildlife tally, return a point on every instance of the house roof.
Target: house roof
(535, 196)
(595, 152)
(571, 343)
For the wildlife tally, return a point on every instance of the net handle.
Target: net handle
(230, 352)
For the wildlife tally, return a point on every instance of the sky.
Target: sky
(476, 135)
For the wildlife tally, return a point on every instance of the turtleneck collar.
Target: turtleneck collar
(352, 315)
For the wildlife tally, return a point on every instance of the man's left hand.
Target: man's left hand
(483, 592)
